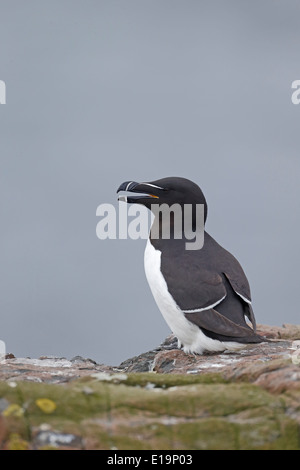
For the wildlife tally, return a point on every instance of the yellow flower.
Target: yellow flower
(13, 410)
(46, 405)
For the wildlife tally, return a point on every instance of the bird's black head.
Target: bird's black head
(171, 190)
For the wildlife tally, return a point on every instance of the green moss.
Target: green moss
(193, 400)
(269, 433)
(171, 380)
(180, 412)
(207, 434)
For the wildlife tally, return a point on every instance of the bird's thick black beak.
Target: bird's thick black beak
(145, 192)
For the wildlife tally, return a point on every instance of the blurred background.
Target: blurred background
(104, 91)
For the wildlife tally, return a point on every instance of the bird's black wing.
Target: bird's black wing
(193, 288)
(239, 282)
(196, 295)
(223, 328)
(240, 285)
(212, 290)
(201, 293)
(234, 273)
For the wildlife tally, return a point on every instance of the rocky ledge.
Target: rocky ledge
(161, 399)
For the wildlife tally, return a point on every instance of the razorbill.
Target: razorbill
(203, 295)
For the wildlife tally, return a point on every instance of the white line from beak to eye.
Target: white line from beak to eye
(128, 185)
(152, 185)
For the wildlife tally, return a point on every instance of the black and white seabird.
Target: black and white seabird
(203, 295)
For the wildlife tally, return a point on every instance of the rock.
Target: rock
(166, 359)
(161, 399)
(249, 363)
(80, 359)
(9, 356)
(287, 331)
(144, 362)
(48, 369)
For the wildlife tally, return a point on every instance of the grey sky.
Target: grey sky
(104, 91)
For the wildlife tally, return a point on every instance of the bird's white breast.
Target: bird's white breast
(188, 334)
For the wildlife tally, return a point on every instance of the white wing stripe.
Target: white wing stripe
(244, 298)
(197, 310)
